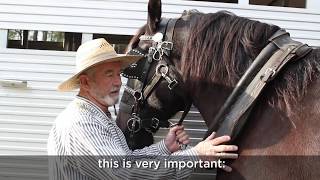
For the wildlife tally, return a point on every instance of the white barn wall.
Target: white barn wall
(44, 69)
(26, 114)
(125, 17)
(313, 4)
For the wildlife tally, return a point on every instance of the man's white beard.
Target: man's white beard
(111, 100)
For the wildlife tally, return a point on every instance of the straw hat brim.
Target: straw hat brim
(73, 82)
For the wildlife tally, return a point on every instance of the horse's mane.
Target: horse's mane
(221, 46)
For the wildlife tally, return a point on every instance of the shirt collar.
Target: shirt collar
(106, 114)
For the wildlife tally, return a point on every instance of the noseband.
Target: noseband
(158, 53)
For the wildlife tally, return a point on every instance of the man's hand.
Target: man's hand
(175, 137)
(210, 150)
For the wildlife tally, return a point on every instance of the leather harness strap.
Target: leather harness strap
(163, 27)
(157, 76)
(233, 116)
(169, 30)
(160, 47)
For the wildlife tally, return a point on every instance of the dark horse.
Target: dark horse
(211, 52)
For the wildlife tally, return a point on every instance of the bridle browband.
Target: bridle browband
(159, 53)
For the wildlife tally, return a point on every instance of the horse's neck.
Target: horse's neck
(269, 129)
(209, 99)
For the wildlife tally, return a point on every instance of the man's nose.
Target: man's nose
(117, 81)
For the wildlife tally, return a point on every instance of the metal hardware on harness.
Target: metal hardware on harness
(172, 84)
(136, 94)
(145, 38)
(160, 48)
(133, 122)
(138, 52)
(163, 70)
(154, 123)
(268, 75)
(133, 65)
(157, 53)
(166, 45)
(156, 38)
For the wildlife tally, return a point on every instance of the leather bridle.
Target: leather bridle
(158, 54)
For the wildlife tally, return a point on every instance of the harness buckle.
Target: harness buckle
(167, 45)
(162, 70)
(134, 123)
(172, 84)
(154, 123)
(268, 75)
(137, 95)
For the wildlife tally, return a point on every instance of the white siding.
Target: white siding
(125, 17)
(26, 114)
(313, 4)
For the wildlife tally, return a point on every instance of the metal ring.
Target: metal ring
(133, 122)
(159, 67)
(158, 52)
(137, 95)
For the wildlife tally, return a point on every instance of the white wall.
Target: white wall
(43, 70)
(313, 5)
(26, 114)
(125, 17)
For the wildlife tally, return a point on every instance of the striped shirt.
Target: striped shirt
(83, 134)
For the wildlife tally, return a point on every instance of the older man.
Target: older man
(84, 133)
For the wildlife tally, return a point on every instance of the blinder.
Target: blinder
(134, 71)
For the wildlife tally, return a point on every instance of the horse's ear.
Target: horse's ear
(154, 15)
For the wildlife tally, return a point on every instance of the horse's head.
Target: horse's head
(205, 53)
(155, 89)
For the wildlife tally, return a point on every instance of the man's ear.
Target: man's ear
(154, 15)
(84, 82)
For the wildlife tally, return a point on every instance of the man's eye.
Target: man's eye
(109, 74)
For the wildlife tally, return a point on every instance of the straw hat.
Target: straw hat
(90, 54)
